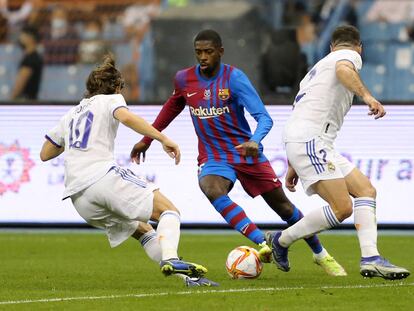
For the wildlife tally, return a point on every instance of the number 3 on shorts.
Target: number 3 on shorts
(78, 136)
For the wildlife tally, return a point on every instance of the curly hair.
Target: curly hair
(105, 78)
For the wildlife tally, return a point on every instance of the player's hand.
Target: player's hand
(249, 149)
(137, 151)
(172, 149)
(291, 179)
(375, 108)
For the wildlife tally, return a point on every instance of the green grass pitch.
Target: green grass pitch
(78, 271)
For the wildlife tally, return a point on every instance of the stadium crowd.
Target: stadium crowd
(72, 36)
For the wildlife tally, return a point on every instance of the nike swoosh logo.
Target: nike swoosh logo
(274, 179)
(191, 94)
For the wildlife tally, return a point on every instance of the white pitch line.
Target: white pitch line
(192, 292)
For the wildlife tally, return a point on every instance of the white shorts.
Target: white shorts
(116, 203)
(317, 160)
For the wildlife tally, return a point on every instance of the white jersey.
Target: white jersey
(322, 101)
(88, 134)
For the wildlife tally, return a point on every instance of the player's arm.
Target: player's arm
(21, 80)
(248, 97)
(349, 77)
(170, 110)
(50, 150)
(54, 143)
(142, 127)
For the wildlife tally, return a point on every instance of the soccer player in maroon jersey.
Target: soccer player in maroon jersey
(217, 95)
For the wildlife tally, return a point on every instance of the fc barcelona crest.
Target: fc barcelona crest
(224, 94)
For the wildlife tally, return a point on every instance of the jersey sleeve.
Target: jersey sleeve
(246, 95)
(170, 110)
(351, 56)
(115, 102)
(57, 134)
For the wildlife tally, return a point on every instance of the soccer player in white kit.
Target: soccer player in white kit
(324, 98)
(108, 196)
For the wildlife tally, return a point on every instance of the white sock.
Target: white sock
(151, 245)
(317, 220)
(168, 232)
(366, 225)
(322, 254)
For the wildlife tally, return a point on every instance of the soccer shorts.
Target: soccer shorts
(256, 179)
(116, 203)
(317, 160)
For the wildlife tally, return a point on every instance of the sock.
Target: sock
(323, 253)
(312, 241)
(237, 218)
(366, 225)
(168, 232)
(317, 220)
(151, 245)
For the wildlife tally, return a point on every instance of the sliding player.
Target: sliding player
(108, 196)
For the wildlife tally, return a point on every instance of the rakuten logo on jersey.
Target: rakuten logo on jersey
(206, 113)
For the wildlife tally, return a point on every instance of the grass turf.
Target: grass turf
(59, 265)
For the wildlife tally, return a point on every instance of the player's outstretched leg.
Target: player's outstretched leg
(168, 232)
(278, 201)
(321, 256)
(148, 239)
(315, 221)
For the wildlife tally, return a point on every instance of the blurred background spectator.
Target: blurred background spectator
(391, 11)
(26, 13)
(60, 38)
(10, 20)
(284, 65)
(18, 16)
(137, 17)
(274, 41)
(26, 86)
(92, 47)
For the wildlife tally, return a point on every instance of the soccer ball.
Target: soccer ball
(243, 263)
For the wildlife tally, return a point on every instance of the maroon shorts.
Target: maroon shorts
(256, 179)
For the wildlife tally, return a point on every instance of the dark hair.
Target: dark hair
(31, 31)
(346, 35)
(104, 79)
(209, 35)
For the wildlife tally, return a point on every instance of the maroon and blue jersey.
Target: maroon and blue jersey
(217, 106)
